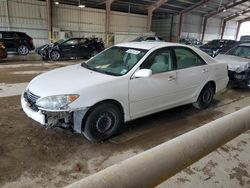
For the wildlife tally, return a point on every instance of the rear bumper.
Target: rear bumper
(38, 116)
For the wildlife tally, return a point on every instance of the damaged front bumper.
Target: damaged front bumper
(64, 119)
(241, 79)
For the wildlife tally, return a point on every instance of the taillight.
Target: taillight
(30, 41)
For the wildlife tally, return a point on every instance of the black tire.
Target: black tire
(205, 98)
(103, 122)
(23, 50)
(54, 55)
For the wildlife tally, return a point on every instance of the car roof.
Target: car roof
(244, 44)
(11, 32)
(147, 45)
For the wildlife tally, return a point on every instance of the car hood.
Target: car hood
(233, 62)
(67, 80)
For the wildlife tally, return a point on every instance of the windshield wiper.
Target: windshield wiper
(99, 70)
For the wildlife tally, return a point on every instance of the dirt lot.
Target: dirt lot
(31, 156)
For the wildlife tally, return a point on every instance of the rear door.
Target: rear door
(192, 73)
(70, 48)
(9, 39)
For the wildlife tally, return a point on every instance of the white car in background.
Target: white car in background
(238, 60)
(124, 82)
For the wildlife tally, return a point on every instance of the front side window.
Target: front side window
(186, 58)
(116, 60)
(159, 61)
(240, 51)
(71, 42)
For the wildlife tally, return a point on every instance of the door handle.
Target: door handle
(171, 78)
(204, 70)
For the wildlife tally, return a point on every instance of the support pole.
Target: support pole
(49, 19)
(154, 166)
(180, 24)
(7, 13)
(223, 29)
(204, 29)
(107, 21)
(238, 30)
(149, 20)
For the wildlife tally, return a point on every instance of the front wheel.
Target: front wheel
(205, 98)
(103, 122)
(93, 53)
(22, 50)
(54, 55)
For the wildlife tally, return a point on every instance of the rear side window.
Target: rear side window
(1, 35)
(23, 35)
(8, 35)
(186, 58)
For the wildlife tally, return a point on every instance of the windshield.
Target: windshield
(115, 60)
(240, 51)
(60, 41)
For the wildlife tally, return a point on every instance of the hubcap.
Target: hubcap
(54, 55)
(104, 122)
(23, 50)
(207, 97)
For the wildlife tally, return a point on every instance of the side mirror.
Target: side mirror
(143, 73)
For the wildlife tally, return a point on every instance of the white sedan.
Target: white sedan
(124, 82)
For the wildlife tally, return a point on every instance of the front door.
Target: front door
(157, 92)
(70, 48)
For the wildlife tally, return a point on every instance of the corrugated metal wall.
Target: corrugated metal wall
(30, 16)
(192, 28)
(24, 15)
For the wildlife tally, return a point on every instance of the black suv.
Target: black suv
(17, 42)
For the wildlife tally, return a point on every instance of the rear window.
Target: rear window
(23, 35)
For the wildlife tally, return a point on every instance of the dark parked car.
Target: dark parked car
(191, 41)
(3, 52)
(245, 39)
(71, 48)
(17, 42)
(147, 38)
(215, 47)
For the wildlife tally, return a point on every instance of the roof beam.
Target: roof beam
(213, 13)
(230, 18)
(194, 6)
(151, 9)
(232, 5)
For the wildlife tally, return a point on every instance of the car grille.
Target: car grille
(32, 98)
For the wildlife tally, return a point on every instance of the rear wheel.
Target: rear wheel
(205, 98)
(22, 50)
(103, 122)
(54, 55)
